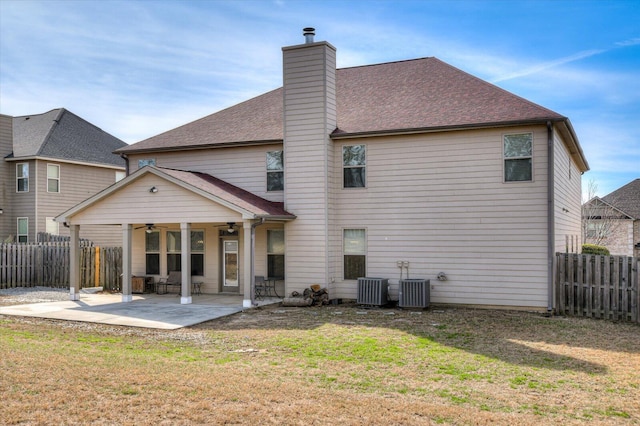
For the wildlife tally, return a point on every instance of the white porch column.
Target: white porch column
(74, 263)
(127, 232)
(248, 264)
(185, 251)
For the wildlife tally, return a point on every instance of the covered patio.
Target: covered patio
(204, 227)
(146, 310)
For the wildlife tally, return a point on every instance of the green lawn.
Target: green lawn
(329, 365)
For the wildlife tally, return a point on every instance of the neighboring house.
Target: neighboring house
(613, 221)
(51, 162)
(349, 173)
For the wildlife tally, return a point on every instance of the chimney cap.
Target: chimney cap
(308, 34)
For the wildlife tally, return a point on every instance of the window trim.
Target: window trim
(271, 254)
(359, 166)
(18, 178)
(154, 252)
(146, 162)
(364, 252)
(18, 234)
(50, 178)
(178, 250)
(281, 171)
(505, 158)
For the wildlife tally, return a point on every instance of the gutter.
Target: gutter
(551, 232)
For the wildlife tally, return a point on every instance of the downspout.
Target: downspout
(126, 163)
(252, 261)
(550, 216)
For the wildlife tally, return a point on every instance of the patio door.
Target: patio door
(230, 270)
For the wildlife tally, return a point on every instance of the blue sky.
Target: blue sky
(138, 68)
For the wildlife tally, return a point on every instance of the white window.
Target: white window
(174, 256)
(518, 156)
(152, 252)
(120, 175)
(52, 227)
(275, 253)
(354, 251)
(275, 171)
(53, 178)
(146, 162)
(22, 177)
(354, 164)
(23, 229)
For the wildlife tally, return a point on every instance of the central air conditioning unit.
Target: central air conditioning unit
(373, 291)
(414, 293)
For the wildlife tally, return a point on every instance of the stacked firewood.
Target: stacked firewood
(315, 295)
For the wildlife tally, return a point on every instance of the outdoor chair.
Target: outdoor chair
(174, 279)
(261, 287)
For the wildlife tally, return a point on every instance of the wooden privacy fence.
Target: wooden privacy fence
(47, 264)
(594, 286)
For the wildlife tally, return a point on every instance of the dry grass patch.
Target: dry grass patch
(329, 365)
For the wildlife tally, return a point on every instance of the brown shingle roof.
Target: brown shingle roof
(396, 96)
(626, 199)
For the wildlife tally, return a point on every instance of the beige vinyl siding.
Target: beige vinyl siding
(439, 201)
(244, 167)
(7, 174)
(77, 183)
(23, 204)
(137, 205)
(310, 116)
(567, 199)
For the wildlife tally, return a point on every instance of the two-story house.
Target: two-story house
(411, 167)
(51, 162)
(613, 221)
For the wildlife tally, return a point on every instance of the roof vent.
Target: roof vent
(308, 34)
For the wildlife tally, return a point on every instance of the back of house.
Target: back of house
(401, 170)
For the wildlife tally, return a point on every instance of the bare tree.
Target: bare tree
(600, 218)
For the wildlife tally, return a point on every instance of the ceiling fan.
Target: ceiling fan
(230, 228)
(150, 227)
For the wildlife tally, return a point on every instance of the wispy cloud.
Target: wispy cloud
(548, 65)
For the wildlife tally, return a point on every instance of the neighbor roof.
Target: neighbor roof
(60, 134)
(414, 95)
(626, 199)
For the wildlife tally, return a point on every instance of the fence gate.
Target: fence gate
(595, 286)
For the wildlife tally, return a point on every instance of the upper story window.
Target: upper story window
(22, 177)
(53, 178)
(518, 156)
(120, 175)
(275, 171)
(146, 162)
(354, 163)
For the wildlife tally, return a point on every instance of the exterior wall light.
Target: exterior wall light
(153, 190)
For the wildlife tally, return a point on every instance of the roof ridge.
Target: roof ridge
(388, 63)
(52, 127)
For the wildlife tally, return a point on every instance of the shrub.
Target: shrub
(595, 249)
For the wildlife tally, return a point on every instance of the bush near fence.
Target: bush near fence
(597, 286)
(47, 264)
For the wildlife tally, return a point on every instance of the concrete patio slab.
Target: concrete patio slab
(148, 311)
